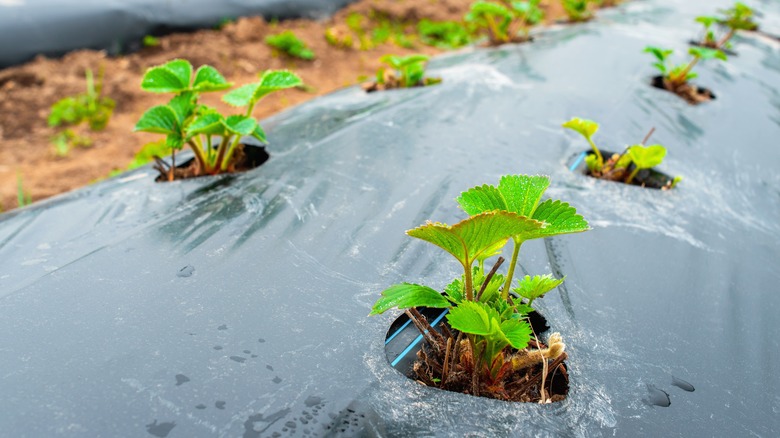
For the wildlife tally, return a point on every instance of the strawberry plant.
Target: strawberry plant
(91, 108)
(498, 351)
(287, 42)
(184, 121)
(619, 167)
(577, 10)
(676, 77)
(738, 17)
(401, 72)
(505, 23)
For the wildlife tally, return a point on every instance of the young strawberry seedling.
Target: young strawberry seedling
(184, 121)
(287, 42)
(577, 10)
(91, 108)
(401, 72)
(505, 24)
(675, 78)
(492, 352)
(626, 166)
(737, 18)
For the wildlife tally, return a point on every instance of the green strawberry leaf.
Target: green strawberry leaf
(480, 199)
(159, 119)
(471, 317)
(207, 78)
(241, 96)
(407, 295)
(517, 333)
(171, 77)
(559, 218)
(259, 134)
(587, 128)
(645, 157)
(536, 286)
(241, 125)
(523, 192)
(471, 237)
(209, 124)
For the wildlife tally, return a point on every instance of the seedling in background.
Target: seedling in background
(738, 17)
(401, 72)
(22, 197)
(675, 78)
(151, 41)
(505, 24)
(90, 107)
(709, 39)
(184, 121)
(443, 34)
(577, 10)
(619, 167)
(495, 353)
(287, 42)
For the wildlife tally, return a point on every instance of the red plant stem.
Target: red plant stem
(489, 276)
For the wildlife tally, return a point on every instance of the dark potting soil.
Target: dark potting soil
(246, 157)
(647, 178)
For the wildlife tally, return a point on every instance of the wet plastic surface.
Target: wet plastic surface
(54, 27)
(237, 306)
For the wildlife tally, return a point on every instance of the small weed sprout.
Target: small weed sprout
(401, 72)
(619, 167)
(443, 34)
(184, 121)
(496, 330)
(577, 10)
(287, 42)
(150, 41)
(91, 108)
(22, 197)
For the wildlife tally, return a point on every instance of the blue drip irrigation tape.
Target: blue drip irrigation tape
(387, 341)
(417, 340)
(577, 162)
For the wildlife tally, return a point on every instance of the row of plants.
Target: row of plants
(488, 345)
(714, 44)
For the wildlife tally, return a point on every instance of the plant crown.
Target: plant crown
(184, 121)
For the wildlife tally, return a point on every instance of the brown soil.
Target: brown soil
(237, 50)
(536, 374)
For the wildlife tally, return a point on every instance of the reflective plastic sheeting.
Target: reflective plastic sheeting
(237, 305)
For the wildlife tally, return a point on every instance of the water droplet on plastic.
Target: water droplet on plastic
(222, 327)
(312, 401)
(219, 404)
(682, 384)
(238, 359)
(277, 379)
(181, 379)
(658, 397)
(186, 271)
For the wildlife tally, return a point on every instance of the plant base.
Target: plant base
(692, 94)
(246, 157)
(647, 178)
(410, 354)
